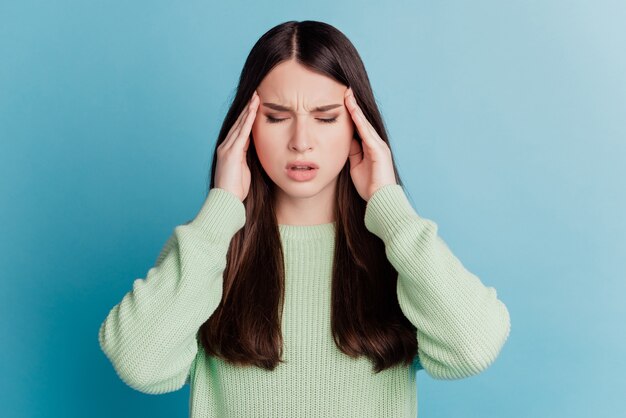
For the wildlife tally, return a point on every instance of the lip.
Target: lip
(301, 175)
(301, 163)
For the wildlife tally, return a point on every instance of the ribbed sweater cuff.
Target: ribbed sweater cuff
(222, 214)
(387, 210)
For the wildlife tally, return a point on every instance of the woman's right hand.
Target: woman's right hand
(232, 172)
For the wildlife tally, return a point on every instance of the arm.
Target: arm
(150, 336)
(461, 324)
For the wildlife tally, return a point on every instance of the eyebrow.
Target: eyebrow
(282, 108)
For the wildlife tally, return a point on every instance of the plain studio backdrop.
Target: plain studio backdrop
(506, 119)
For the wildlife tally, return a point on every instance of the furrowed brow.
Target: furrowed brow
(282, 108)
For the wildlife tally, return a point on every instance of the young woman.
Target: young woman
(306, 285)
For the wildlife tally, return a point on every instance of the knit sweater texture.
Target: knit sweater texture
(151, 335)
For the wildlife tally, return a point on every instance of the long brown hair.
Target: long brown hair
(366, 319)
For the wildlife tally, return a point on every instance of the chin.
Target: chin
(305, 189)
(300, 190)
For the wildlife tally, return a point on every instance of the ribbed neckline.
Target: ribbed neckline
(307, 232)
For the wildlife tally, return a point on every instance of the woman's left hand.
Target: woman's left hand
(371, 165)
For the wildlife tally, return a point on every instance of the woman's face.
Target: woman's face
(300, 131)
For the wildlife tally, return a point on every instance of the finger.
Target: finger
(244, 129)
(235, 126)
(365, 128)
(238, 120)
(356, 114)
(242, 116)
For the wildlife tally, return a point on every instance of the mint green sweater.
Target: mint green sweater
(150, 336)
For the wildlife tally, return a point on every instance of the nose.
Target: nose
(300, 140)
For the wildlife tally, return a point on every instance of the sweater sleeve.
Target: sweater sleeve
(150, 336)
(461, 323)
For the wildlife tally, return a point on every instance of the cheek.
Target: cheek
(262, 145)
(343, 140)
(257, 136)
(337, 147)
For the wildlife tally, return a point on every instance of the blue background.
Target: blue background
(506, 120)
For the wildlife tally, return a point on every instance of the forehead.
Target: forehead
(290, 82)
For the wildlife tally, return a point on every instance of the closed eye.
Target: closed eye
(274, 120)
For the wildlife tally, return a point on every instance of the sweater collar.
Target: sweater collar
(307, 232)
